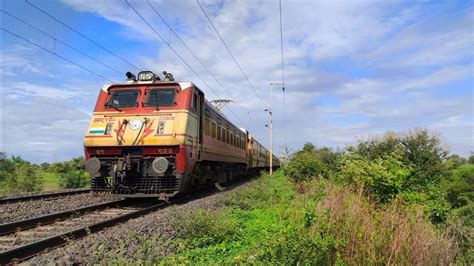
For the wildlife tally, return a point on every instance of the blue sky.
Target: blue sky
(353, 68)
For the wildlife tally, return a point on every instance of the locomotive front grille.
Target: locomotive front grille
(144, 182)
(156, 185)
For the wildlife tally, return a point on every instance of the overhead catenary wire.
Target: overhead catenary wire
(82, 35)
(193, 54)
(230, 53)
(177, 54)
(55, 54)
(62, 42)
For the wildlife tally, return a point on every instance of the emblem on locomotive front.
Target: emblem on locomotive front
(135, 124)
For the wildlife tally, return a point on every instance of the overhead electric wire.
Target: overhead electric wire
(230, 53)
(177, 54)
(283, 77)
(82, 35)
(53, 53)
(194, 55)
(62, 42)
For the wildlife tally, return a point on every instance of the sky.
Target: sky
(352, 68)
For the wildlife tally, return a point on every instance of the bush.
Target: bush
(345, 228)
(460, 189)
(382, 178)
(304, 166)
(18, 175)
(419, 149)
(72, 173)
(74, 179)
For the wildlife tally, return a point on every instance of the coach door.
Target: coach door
(198, 102)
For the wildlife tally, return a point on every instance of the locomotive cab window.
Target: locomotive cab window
(122, 99)
(160, 97)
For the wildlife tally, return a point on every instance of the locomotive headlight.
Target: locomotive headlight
(160, 165)
(93, 166)
(146, 76)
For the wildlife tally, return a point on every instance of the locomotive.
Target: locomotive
(157, 137)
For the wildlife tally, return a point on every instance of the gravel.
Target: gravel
(125, 240)
(22, 194)
(34, 208)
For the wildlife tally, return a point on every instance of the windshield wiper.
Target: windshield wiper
(115, 105)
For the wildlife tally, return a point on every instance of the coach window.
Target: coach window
(207, 127)
(159, 97)
(213, 130)
(219, 135)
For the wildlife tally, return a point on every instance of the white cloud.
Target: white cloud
(352, 68)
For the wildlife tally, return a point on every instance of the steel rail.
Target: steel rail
(12, 227)
(29, 250)
(43, 196)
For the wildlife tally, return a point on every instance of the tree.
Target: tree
(471, 159)
(304, 166)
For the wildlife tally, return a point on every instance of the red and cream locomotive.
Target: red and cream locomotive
(156, 137)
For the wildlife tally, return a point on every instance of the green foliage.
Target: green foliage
(382, 178)
(304, 166)
(419, 149)
(453, 162)
(72, 173)
(460, 188)
(425, 153)
(203, 227)
(17, 175)
(471, 159)
(324, 224)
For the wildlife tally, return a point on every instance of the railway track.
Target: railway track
(53, 195)
(23, 239)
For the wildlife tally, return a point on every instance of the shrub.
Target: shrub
(74, 179)
(460, 189)
(304, 166)
(18, 175)
(381, 178)
(419, 149)
(72, 173)
(346, 228)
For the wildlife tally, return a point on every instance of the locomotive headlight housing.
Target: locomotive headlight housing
(93, 166)
(160, 165)
(146, 76)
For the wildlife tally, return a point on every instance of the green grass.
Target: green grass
(50, 181)
(275, 221)
(234, 233)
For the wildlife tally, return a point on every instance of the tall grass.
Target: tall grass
(394, 234)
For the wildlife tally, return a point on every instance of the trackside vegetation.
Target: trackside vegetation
(391, 199)
(19, 175)
(396, 198)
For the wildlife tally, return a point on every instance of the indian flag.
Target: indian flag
(97, 130)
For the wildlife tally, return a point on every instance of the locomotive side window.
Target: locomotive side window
(160, 97)
(122, 99)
